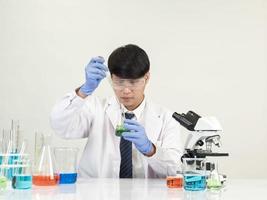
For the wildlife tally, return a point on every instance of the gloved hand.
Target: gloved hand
(137, 135)
(94, 73)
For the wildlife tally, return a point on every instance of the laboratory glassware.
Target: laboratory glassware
(3, 170)
(66, 159)
(22, 176)
(15, 135)
(45, 173)
(120, 127)
(38, 145)
(213, 181)
(174, 177)
(194, 174)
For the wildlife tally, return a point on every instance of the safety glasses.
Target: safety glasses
(132, 84)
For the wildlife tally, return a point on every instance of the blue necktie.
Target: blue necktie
(126, 166)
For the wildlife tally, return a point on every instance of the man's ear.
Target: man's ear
(147, 77)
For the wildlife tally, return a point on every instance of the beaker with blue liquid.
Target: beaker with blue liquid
(22, 173)
(194, 174)
(66, 160)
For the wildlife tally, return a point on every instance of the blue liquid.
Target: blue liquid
(194, 182)
(67, 178)
(22, 182)
(9, 171)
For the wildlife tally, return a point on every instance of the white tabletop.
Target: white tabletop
(137, 189)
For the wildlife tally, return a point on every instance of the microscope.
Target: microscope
(204, 135)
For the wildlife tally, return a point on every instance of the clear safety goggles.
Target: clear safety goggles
(132, 84)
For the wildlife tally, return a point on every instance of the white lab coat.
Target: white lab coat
(95, 119)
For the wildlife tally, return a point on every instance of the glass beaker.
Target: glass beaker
(22, 176)
(174, 177)
(66, 159)
(194, 173)
(45, 171)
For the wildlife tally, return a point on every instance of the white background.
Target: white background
(208, 56)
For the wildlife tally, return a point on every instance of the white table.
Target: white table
(138, 189)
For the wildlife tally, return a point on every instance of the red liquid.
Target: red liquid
(45, 180)
(174, 182)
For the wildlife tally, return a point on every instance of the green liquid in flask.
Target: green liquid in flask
(119, 130)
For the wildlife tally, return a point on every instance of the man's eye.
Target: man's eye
(133, 81)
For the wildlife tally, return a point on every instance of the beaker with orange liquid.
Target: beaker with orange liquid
(174, 177)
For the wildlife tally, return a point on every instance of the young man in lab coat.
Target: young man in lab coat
(153, 135)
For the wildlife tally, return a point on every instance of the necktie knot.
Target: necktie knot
(129, 115)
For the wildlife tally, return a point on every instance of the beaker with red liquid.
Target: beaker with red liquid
(45, 173)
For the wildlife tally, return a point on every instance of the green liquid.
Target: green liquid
(119, 130)
(213, 184)
(3, 182)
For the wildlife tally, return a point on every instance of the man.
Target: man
(152, 138)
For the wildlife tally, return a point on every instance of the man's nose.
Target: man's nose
(126, 90)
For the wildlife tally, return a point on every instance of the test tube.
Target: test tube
(15, 134)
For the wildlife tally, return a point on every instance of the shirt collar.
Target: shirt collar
(138, 111)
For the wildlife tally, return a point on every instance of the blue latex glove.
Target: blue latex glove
(137, 135)
(95, 71)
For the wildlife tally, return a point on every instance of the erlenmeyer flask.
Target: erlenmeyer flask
(214, 182)
(45, 170)
(120, 127)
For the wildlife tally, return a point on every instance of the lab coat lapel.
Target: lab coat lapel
(113, 111)
(153, 122)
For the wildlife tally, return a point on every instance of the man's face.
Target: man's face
(130, 92)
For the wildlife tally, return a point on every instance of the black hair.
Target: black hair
(129, 61)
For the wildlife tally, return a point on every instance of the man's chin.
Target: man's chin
(127, 104)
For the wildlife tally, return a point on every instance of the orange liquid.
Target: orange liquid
(174, 182)
(45, 180)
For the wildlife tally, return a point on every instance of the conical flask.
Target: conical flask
(45, 170)
(214, 182)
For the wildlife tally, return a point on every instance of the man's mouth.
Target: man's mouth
(126, 98)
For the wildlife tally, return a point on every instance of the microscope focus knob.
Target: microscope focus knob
(200, 143)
